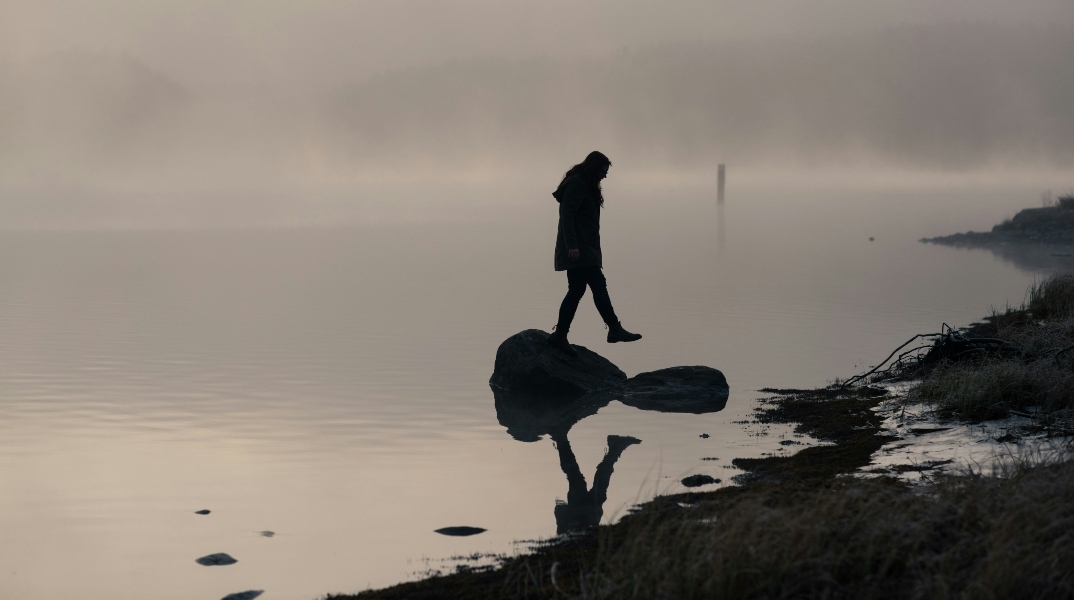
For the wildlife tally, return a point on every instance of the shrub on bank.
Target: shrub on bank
(990, 386)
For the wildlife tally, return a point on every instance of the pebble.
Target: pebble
(460, 531)
(214, 560)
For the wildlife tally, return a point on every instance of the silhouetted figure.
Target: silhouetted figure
(585, 506)
(578, 249)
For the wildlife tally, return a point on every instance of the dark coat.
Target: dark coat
(579, 225)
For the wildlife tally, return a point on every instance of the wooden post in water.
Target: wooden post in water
(721, 179)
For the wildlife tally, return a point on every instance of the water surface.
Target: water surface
(330, 384)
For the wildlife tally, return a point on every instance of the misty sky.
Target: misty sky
(113, 102)
(315, 44)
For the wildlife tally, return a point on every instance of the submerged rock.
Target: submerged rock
(694, 390)
(268, 533)
(203, 511)
(460, 531)
(216, 560)
(526, 363)
(247, 595)
(699, 480)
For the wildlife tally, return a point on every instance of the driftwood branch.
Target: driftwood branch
(857, 378)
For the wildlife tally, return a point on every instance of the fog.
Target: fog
(269, 104)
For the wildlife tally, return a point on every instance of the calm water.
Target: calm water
(330, 385)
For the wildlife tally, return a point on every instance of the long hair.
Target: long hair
(589, 170)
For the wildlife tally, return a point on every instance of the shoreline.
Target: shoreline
(872, 455)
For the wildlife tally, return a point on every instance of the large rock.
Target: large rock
(526, 363)
(678, 389)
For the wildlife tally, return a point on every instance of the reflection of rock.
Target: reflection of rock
(678, 389)
(460, 531)
(247, 595)
(698, 480)
(214, 560)
(525, 362)
(528, 417)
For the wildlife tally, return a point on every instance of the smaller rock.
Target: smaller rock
(704, 436)
(696, 390)
(247, 595)
(698, 480)
(268, 533)
(216, 560)
(203, 511)
(460, 531)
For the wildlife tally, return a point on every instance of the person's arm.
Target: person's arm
(573, 197)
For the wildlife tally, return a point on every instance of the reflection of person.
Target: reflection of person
(578, 249)
(584, 507)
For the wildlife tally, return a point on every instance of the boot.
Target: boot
(616, 333)
(558, 340)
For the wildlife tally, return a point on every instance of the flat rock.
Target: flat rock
(694, 390)
(699, 480)
(216, 560)
(526, 363)
(203, 511)
(460, 531)
(247, 595)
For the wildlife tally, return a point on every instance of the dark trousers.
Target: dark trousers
(577, 280)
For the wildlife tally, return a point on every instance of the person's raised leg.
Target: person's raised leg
(599, 285)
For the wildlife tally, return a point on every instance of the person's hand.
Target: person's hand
(573, 254)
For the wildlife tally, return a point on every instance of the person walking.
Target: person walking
(578, 249)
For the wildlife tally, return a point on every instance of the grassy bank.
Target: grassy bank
(1033, 377)
(797, 527)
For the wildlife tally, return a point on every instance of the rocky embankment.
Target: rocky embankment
(1045, 226)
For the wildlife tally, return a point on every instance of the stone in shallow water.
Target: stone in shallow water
(247, 595)
(203, 511)
(694, 390)
(214, 560)
(526, 363)
(698, 480)
(268, 533)
(460, 531)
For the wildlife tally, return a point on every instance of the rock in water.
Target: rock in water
(460, 531)
(247, 595)
(699, 480)
(526, 363)
(694, 390)
(216, 560)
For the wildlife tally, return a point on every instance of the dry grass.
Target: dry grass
(961, 537)
(991, 387)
